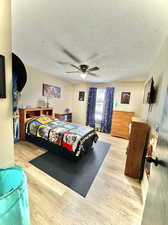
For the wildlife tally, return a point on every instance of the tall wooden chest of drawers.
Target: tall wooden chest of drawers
(137, 147)
(120, 123)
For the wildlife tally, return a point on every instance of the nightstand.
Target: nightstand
(64, 116)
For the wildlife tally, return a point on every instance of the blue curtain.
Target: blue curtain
(90, 120)
(107, 110)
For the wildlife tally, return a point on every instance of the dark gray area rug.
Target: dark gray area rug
(77, 175)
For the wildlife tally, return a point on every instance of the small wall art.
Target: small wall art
(51, 91)
(81, 96)
(125, 97)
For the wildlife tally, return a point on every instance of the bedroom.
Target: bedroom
(111, 197)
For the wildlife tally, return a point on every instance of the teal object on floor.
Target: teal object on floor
(14, 206)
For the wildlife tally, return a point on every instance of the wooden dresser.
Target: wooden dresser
(137, 148)
(120, 123)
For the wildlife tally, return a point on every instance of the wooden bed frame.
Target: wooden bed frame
(28, 114)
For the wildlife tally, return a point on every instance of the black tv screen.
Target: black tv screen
(2, 77)
(149, 92)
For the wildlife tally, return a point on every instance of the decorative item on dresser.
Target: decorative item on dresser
(137, 148)
(64, 116)
(30, 113)
(120, 123)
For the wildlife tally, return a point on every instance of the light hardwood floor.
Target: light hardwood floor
(113, 198)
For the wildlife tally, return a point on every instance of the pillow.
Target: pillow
(44, 119)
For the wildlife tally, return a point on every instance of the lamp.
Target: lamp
(83, 75)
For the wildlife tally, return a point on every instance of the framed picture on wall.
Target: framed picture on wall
(2, 77)
(125, 97)
(81, 96)
(51, 91)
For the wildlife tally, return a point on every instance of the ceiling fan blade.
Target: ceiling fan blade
(94, 68)
(93, 74)
(75, 66)
(63, 63)
(70, 54)
(73, 72)
(92, 56)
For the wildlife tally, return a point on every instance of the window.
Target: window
(99, 104)
(100, 107)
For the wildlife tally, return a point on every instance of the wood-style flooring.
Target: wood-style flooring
(113, 198)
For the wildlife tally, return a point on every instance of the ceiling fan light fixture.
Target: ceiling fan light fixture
(83, 75)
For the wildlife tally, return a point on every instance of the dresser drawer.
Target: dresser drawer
(120, 123)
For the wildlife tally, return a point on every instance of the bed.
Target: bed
(58, 136)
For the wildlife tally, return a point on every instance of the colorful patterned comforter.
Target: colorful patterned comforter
(68, 135)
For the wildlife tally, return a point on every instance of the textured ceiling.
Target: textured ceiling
(126, 35)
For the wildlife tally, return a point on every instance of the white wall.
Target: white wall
(6, 128)
(159, 71)
(136, 98)
(32, 92)
(136, 101)
(79, 108)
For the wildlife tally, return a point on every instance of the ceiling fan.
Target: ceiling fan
(82, 68)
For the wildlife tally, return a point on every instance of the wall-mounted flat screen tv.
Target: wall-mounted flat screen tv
(149, 92)
(2, 77)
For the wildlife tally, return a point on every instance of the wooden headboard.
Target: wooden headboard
(29, 113)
